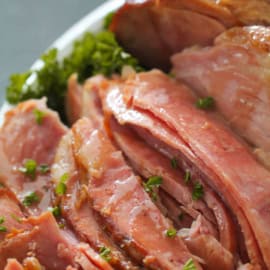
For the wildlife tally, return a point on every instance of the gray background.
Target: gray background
(28, 27)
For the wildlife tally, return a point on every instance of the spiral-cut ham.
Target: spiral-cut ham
(167, 111)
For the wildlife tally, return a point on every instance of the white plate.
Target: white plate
(92, 22)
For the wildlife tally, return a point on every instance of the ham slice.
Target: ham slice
(23, 138)
(235, 73)
(115, 191)
(11, 216)
(167, 27)
(76, 208)
(157, 101)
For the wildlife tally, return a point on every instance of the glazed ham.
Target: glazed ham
(30, 132)
(203, 140)
(76, 208)
(115, 191)
(235, 70)
(169, 26)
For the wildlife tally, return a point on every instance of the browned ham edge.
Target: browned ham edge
(114, 191)
(214, 149)
(76, 208)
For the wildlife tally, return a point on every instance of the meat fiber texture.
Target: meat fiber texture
(235, 69)
(153, 30)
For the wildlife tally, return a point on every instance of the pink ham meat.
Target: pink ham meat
(167, 27)
(76, 208)
(115, 191)
(83, 100)
(23, 138)
(149, 162)
(166, 109)
(10, 214)
(235, 73)
(45, 244)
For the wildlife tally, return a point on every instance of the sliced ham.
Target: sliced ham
(149, 162)
(30, 132)
(235, 73)
(157, 101)
(167, 27)
(11, 216)
(115, 191)
(76, 207)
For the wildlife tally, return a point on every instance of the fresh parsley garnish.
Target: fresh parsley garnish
(56, 211)
(205, 103)
(93, 54)
(197, 192)
(171, 233)
(105, 253)
(39, 115)
(187, 177)
(189, 265)
(152, 183)
(61, 187)
(29, 168)
(3, 229)
(2, 220)
(107, 20)
(30, 199)
(43, 168)
(174, 163)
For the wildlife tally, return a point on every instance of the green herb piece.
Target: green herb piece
(181, 216)
(171, 233)
(61, 187)
(187, 177)
(189, 265)
(61, 225)
(107, 20)
(205, 103)
(3, 229)
(2, 185)
(2, 220)
(174, 163)
(30, 199)
(29, 168)
(197, 192)
(39, 115)
(152, 182)
(104, 253)
(18, 219)
(56, 211)
(43, 168)
(91, 55)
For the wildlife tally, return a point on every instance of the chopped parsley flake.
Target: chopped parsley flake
(29, 168)
(197, 192)
(171, 233)
(104, 253)
(189, 265)
(2, 185)
(30, 199)
(2, 220)
(174, 163)
(3, 229)
(61, 187)
(39, 115)
(43, 168)
(56, 211)
(187, 177)
(152, 182)
(205, 103)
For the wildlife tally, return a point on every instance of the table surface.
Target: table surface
(28, 27)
